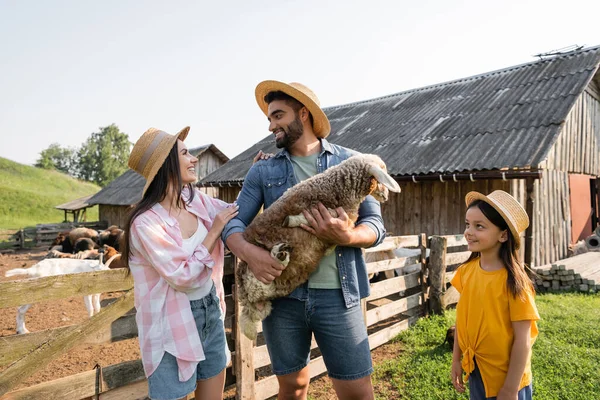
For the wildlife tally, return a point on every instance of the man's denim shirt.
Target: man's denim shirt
(268, 179)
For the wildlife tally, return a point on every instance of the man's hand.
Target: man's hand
(333, 230)
(264, 267)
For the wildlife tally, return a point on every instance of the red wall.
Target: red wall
(581, 207)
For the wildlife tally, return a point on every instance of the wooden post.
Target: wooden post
(529, 231)
(423, 275)
(22, 238)
(437, 274)
(244, 353)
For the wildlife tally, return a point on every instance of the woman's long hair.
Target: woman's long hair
(518, 280)
(157, 191)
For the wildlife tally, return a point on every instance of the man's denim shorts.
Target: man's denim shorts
(164, 383)
(340, 333)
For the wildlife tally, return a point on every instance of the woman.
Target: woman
(173, 249)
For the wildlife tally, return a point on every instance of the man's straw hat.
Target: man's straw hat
(304, 95)
(509, 208)
(150, 152)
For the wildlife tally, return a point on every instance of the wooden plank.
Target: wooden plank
(244, 350)
(82, 385)
(14, 347)
(385, 335)
(41, 356)
(389, 310)
(35, 290)
(393, 242)
(395, 263)
(134, 391)
(456, 258)
(269, 387)
(394, 285)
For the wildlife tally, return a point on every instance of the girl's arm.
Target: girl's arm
(518, 359)
(457, 372)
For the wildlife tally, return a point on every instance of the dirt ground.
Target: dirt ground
(56, 313)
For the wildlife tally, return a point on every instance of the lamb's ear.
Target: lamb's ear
(383, 178)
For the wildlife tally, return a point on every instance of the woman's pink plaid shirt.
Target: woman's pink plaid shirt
(162, 274)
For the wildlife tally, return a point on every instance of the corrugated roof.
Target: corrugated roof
(76, 204)
(127, 188)
(508, 118)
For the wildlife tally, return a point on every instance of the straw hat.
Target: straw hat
(301, 93)
(150, 152)
(509, 208)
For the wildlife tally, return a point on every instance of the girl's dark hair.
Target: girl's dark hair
(157, 191)
(518, 280)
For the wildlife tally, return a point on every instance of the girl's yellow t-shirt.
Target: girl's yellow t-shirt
(484, 316)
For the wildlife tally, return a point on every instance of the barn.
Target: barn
(116, 199)
(532, 130)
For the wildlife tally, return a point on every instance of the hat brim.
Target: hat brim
(182, 134)
(473, 196)
(321, 125)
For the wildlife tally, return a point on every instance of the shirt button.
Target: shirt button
(344, 277)
(340, 254)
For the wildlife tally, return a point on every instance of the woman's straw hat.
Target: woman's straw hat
(509, 208)
(150, 152)
(304, 95)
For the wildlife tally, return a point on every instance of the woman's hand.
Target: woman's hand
(223, 217)
(261, 156)
(457, 377)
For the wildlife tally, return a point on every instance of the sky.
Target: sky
(69, 68)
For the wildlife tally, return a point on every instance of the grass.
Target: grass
(565, 359)
(28, 195)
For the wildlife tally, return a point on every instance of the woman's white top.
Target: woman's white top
(189, 245)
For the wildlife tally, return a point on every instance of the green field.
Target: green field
(565, 358)
(28, 195)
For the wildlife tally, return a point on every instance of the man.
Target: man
(328, 305)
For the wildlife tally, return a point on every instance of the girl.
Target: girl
(175, 254)
(496, 313)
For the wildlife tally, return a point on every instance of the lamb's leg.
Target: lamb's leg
(96, 302)
(251, 315)
(293, 221)
(21, 319)
(87, 300)
(281, 252)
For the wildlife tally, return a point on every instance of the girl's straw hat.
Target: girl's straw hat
(509, 208)
(304, 95)
(150, 152)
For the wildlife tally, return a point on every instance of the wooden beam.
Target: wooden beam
(14, 347)
(394, 285)
(244, 354)
(437, 272)
(35, 290)
(41, 356)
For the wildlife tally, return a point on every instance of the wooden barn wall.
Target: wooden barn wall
(229, 193)
(207, 163)
(552, 218)
(113, 215)
(577, 147)
(434, 208)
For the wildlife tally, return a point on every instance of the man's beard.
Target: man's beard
(291, 134)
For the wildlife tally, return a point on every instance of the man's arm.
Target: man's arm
(259, 260)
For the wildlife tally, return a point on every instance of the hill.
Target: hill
(28, 195)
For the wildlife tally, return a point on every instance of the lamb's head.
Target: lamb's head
(381, 182)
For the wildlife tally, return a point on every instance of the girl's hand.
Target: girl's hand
(262, 156)
(222, 218)
(507, 394)
(457, 377)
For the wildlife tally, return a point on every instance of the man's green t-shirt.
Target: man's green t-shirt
(326, 275)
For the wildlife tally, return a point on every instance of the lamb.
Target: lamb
(277, 229)
(111, 236)
(61, 266)
(66, 244)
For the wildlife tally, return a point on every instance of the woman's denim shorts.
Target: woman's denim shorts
(340, 333)
(164, 383)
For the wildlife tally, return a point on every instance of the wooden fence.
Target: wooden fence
(43, 234)
(402, 284)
